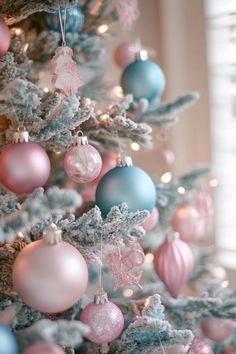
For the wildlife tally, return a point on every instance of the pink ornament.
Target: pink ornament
(50, 277)
(127, 12)
(109, 161)
(125, 53)
(151, 221)
(199, 346)
(25, 166)
(168, 156)
(44, 348)
(217, 329)
(83, 162)
(204, 205)
(65, 76)
(173, 263)
(7, 315)
(105, 321)
(187, 221)
(180, 349)
(5, 38)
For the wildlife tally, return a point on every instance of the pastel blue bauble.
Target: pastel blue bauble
(74, 19)
(126, 184)
(143, 79)
(8, 344)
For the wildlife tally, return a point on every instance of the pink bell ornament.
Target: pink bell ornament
(199, 346)
(173, 263)
(217, 329)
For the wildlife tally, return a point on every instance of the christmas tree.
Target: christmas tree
(96, 255)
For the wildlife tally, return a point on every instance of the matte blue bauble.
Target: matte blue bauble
(126, 184)
(74, 19)
(8, 344)
(144, 79)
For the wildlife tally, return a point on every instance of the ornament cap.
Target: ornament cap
(52, 235)
(100, 297)
(172, 235)
(125, 162)
(21, 136)
(142, 54)
(81, 140)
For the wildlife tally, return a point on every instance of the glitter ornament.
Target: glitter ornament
(150, 223)
(199, 346)
(25, 166)
(44, 348)
(125, 53)
(50, 275)
(173, 263)
(4, 38)
(188, 222)
(82, 162)
(104, 319)
(217, 329)
(126, 184)
(143, 79)
(8, 344)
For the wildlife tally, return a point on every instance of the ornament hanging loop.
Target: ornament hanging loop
(62, 25)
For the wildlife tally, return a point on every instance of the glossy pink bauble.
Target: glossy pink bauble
(44, 348)
(151, 221)
(217, 329)
(83, 163)
(105, 321)
(179, 349)
(173, 263)
(24, 167)
(188, 222)
(50, 278)
(199, 346)
(125, 53)
(5, 38)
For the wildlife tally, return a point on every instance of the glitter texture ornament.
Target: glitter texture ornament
(50, 275)
(8, 344)
(126, 183)
(151, 221)
(82, 162)
(173, 263)
(104, 319)
(4, 38)
(25, 166)
(199, 346)
(44, 348)
(125, 53)
(217, 329)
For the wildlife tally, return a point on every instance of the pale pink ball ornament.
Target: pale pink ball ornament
(188, 222)
(50, 275)
(82, 162)
(151, 221)
(217, 329)
(104, 319)
(126, 52)
(173, 263)
(5, 38)
(199, 346)
(25, 166)
(44, 348)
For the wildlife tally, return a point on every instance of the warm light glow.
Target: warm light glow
(166, 177)
(20, 234)
(102, 28)
(46, 89)
(128, 292)
(135, 146)
(26, 46)
(18, 31)
(147, 302)
(181, 190)
(57, 152)
(213, 182)
(225, 284)
(87, 101)
(104, 117)
(149, 257)
(117, 92)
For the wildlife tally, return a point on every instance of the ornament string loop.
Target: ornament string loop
(62, 25)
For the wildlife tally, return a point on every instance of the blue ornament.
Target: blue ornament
(74, 19)
(143, 79)
(126, 184)
(8, 344)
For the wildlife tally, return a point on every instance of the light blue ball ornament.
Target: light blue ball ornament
(74, 19)
(143, 79)
(8, 344)
(127, 184)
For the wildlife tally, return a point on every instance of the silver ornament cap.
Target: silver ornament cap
(141, 55)
(52, 235)
(125, 162)
(100, 297)
(21, 136)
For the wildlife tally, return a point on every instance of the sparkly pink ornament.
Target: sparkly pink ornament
(151, 221)
(5, 38)
(217, 329)
(82, 162)
(188, 222)
(204, 204)
(50, 277)
(44, 348)
(180, 349)
(65, 76)
(127, 12)
(125, 53)
(104, 319)
(199, 346)
(25, 166)
(173, 263)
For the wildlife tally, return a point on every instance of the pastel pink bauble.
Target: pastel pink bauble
(105, 321)
(125, 53)
(204, 204)
(109, 161)
(151, 221)
(179, 349)
(173, 263)
(217, 329)
(199, 346)
(83, 163)
(188, 222)
(168, 156)
(44, 348)
(24, 167)
(5, 38)
(50, 278)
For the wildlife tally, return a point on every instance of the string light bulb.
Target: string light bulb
(135, 146)
(103, 28)
(166, 177)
